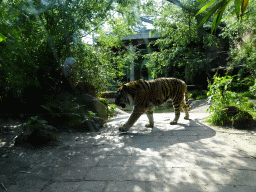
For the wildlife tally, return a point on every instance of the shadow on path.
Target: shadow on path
(189, 156)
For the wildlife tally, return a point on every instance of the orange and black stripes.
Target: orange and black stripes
(147, 94)
(159, 91)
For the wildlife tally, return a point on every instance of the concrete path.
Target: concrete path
(190, 156)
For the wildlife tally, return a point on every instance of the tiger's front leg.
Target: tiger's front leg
(136, 113)
(150, 118)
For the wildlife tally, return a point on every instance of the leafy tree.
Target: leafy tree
(37, 36)
(241, 35)
(180, 43)
(110, 38)
(191, 7)
(217, 8)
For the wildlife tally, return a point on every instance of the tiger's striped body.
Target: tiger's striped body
(144, 95)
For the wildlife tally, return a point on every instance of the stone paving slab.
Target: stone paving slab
(175, 187)
(27, 185)
(229, 188)
(126, 186)
(189, 156)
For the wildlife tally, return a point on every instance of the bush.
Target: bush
(228, 107)
(36, 132)
(198, 94)
(241, 84)
(111, 107)
(252, 90)
(217, 118)
(246, 94)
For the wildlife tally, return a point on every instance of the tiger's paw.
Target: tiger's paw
(186, 117)
(149, 125)
(173, 122)
(123, 128)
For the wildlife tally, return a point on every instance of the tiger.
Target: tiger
(144, 95)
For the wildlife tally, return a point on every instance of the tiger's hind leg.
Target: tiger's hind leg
(176, 106)
(149, 113)
(185, 106)
(185, 109)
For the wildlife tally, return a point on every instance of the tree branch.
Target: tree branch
(176, 2)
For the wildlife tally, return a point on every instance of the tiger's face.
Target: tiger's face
(122, 97)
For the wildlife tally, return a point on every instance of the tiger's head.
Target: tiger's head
(123, 97)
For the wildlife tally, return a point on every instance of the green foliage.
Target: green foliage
(37, 127)
(219, 92)
(65, 110)
(241, 84)
(34, 121)
(111, 107)
(252, 90)
(180, 44)
(217, 8)
(37, 36)
(220, 95)
(249, 94)
(218, 118)
(198, 94)
(242, 38)
(114, 52)
(90, 115)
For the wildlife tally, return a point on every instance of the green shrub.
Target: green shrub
(223, 99)
(241, 84)
(246, 94)
(198, 94)
(250, 105)
(38, 131)
(252, 90)
(218, 118)
(111, 107)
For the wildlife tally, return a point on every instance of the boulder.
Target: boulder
(242, 120)
(238, 118)
(85, 88)
(36, 133)
(94, 105)
(231, 111)
(92, 125)
(70, 110)
(109, 94)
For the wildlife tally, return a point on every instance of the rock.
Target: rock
(109, 94)
(238, 118)
(231, 111)
(85, 88)
(70, 110)
(68, 66)
(94, 105)
(90, 125)
(37, 134)
(36, 137)
(49, 128)
(243, 120)
(99, 121)
(42, 121)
